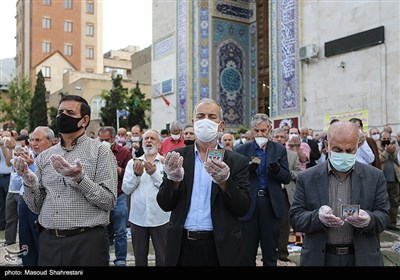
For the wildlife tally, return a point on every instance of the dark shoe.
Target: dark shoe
(393, 227)
(8, 243)
(284, 259)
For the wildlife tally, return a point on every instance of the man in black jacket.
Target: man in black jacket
(315, 154)
(206, 197)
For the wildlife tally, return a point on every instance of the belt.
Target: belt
(69, 232)
(262, 193)
(199, 235)
(5, 175)
(339, 249)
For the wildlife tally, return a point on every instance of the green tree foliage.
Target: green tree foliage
(16, 107)
(137, 106)
(53, 112)
(115, 100)
(240, 128)
(39, 107)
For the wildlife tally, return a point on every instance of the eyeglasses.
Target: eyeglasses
(261, 116)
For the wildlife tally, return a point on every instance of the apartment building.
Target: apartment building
(56, 36)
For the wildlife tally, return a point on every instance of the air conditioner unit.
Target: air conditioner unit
(308, 51)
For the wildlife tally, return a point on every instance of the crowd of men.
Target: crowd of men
(75, 194)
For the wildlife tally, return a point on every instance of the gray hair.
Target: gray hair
(209, 101)
(155, 131)
(277, 130)
(259, 118)
(48, 132)
(175, 125)
(109, 129)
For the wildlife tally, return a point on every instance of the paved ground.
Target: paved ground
(390, 243)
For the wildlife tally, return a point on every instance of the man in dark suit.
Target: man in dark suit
(206, 197)
(268, 169)
(331, 238)
(315, 154)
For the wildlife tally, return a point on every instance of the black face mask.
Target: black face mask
(188, 142)
(385, 143)
(67, 124)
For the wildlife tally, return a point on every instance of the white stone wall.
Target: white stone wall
(370, 78)
(164, 67)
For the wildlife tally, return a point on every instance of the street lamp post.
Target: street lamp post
(121, 113)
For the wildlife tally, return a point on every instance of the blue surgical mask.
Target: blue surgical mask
(342, 162)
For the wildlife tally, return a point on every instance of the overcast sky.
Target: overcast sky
(134, 16)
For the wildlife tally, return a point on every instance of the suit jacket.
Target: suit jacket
(294, 167)
(372, 144)
(368, 188)
(385, 157)
(315, 153)
(226, 208)
(275, 152)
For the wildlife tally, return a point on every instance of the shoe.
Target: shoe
(284, 259)
(120, 263)
(8, 243)
(393, 227)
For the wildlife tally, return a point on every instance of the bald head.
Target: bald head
(343, 137)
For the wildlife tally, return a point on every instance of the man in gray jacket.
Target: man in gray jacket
(324, 192)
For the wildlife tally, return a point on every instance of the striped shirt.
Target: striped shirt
(62, 204)
(339, 193)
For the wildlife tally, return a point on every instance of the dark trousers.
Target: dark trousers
(284, 228)
(262, 229)
(140, 243)
(84, 249)
(198, 252)
(393, 192)
(340, 260)
(28, 233)
(4, 183)
(11, 218)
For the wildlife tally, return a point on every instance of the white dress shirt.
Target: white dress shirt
(145, 211)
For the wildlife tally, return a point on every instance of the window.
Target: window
(68, 4)
(47, 96)
(68, 26)
(90, 53)
(89, 7)
(46, 47)
(46, 23)
(89, 30)
(46, 71)
(68, 50)
(97, 103)
(46, 2)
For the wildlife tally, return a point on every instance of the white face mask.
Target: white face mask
(107, 144)
(136, 139)
(206, 130)
(175, 136)
(309, 137)
(376, 137)
(261, 141)
(292, 135)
